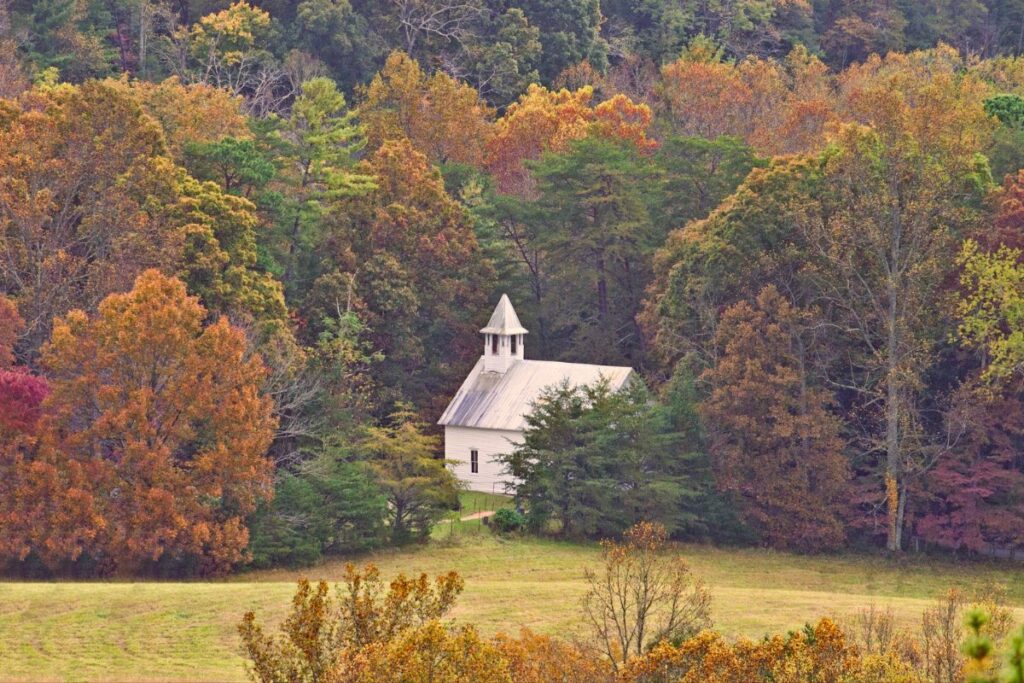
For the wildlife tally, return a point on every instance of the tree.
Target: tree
(21, 393)
(77, 165)
(320, 140)
(569, 33)
(749, 241)
(535, 658)
(153, 438)
(341, 36)
(331, 506)
(220, 255)
(697, 175)
(544, 120)
(316, 636)
(597, 461)
(643, 595)
(502, 62)
(405, 259)
(818, 652)
(774, 442)
(90, 199)
(431, 653)
(974, 494)
(597, 245)
(991, 308)
(419, 487)
(64, 35)
(228, 50)
(883, 260)
(444, 119)
(189, 114)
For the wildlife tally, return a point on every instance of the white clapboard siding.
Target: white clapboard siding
(460, 441)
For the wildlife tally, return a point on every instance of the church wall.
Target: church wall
(460, 441)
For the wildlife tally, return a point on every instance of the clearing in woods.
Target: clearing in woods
(152, 630)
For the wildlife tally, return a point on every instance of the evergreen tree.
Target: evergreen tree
(596, 461)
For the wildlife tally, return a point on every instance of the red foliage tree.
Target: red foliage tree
(21, 393)
(975, 492)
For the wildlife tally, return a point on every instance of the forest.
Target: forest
(246, 247)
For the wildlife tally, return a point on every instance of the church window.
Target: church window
(474, 461)
(494, 345)
(515, 338)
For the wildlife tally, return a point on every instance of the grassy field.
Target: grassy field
(186, 631)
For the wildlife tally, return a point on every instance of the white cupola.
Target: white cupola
(503, 338)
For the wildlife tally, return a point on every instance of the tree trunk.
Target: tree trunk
(893, 458)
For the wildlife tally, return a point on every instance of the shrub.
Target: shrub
(508, 520)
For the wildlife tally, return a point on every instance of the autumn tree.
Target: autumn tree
(154, 436)
(92, 198)
(78, 165)
(405, 259)
(444, 119)
(747, 242)
(774, 442)
(883, 260)
(544, 120)
(973, 496)
(817, 652)
(536, 658)
(228, 50)
(323, 632)
(190, 114)
(775, 105)
(21, 393)
(644, 594)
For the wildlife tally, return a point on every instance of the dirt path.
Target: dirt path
(477, 515)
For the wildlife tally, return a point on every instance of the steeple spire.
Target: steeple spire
(503, 337)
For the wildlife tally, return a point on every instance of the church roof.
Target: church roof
(491, 400)
(504, 319)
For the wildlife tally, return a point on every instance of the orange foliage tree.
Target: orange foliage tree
(776, 107)
(773, 440)
(153, 440)
(442, 117)
(346, 637)
(190, 113)
(78, 165)
(405, 257)
(547, 121)
(817, 653)
(642, 595)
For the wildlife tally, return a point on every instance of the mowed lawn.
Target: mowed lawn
(142, 631)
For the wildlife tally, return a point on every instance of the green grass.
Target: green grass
(186, 631)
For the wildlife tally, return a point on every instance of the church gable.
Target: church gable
(502, 387)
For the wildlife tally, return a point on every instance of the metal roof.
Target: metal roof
(492, 400)
(504, 319)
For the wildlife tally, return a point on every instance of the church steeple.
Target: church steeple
(503, 338)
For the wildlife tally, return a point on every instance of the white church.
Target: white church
(487, 417)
